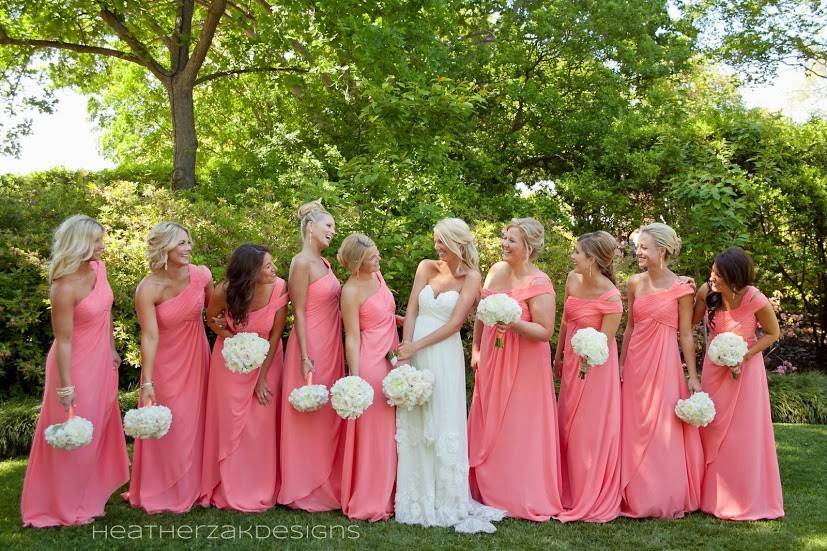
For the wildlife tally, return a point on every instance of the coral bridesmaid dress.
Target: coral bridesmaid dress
(513, 444)
(312, 443)
(369, 472)
(241, 435)
(166, 473)
(662, 457)
(590, 420)
(741, 480)
(64, 487)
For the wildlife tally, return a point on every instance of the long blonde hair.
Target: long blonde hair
(162, 238)
(73, 243)
(457, 237)
(312, 211)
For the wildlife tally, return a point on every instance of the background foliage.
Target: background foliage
(586, 115)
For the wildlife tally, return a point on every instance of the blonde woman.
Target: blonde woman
(311, 443)
(369, 316)
(432, 476)
(175, 355)
(512, 425)
(66, 487)
(662, 457)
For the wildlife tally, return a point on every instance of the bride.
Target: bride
(432, 442)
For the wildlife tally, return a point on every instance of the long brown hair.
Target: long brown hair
(241, 276)
(735, 267)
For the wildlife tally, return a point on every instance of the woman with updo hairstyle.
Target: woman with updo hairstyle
(741, 479)
(590, 396)
(69, 487)
(311, 443)
(662, 457)
(514, 457)
(241, 470)
(369, 316)
(175, 356)
(432, 474)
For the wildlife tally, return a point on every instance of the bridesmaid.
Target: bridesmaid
(369, 316)
(741, 478)
(241, 433)
(662, 457)
(311, 443)
(175, 355)
(590, 407)
(65, 487)
(512, 426)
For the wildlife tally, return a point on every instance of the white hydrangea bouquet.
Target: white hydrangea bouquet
(350, 396)
(245, 352)
(408, 387)
(309, 397)
(75, 432)
(728, 349)
(499, 308)
(591, 345)
(150, 421)
(698, 410)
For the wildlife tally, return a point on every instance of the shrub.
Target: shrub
(799, 398)
(18, 419)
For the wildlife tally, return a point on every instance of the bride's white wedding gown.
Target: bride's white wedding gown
(432, 441)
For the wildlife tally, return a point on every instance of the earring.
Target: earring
(661, 263)
(590, 271)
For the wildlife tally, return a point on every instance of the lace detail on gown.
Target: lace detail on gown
(432, 442)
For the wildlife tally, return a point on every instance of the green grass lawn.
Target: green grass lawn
(802, 450)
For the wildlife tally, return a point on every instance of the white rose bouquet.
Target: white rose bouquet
(728, 349)
(592, 346)
(350, 396)
(309, 397)
(697, 410)
(499, 308)
(245, 352)
(75, 432)
(408, 387)
(149, 421)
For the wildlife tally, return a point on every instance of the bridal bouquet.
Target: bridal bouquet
(147, 422)
(727, 349)
(697, 410)
(245, 352)
(309, 397)
(407, 386)
(350, 396)
(74, 433)
(591, 345)
(499, 308)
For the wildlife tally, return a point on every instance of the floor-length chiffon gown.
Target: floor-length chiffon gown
(64, 487)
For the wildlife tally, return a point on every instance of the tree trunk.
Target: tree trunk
(183, 132)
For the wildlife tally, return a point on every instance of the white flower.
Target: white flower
(727, 349)
(147, 422)
(499, 308)
(407, 386)
(245, 352)
(308, 398)
(74, 433)
(592, 345)
(697, 410)
(351, 396)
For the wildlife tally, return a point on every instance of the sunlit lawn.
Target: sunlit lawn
(802, 450)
